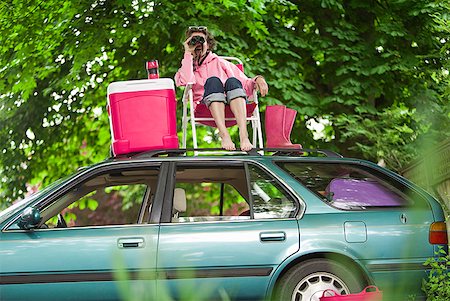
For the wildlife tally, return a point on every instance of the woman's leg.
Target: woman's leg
(218, 113)
(236, 97)
(239, 109)
(214, 98)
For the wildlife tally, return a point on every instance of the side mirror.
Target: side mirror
(29, 218)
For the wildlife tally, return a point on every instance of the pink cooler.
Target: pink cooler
(142, 115)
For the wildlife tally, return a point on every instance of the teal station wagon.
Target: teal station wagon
(242, 226)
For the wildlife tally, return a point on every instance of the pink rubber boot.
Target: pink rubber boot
(289, 119)
(277, 127)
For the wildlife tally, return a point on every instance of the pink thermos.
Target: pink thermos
(152, 69)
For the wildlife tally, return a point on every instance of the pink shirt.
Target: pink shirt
(213, 65)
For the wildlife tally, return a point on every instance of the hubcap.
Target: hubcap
(312, 286)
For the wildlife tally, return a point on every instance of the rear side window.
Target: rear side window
(348, 186)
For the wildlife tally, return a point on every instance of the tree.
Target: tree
(377, 71)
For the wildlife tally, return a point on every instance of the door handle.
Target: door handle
(132, 242)
(272, 236)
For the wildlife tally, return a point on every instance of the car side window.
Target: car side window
(117, 198)
(202, 202)
(210, 194)
(269, 199)
(348, 186)
(222, 194)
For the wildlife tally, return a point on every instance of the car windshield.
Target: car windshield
(22, 203)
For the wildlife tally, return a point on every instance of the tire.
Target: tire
(306, 281)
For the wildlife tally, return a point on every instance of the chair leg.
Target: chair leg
(194, 130)
(184, 123)
(257, 128)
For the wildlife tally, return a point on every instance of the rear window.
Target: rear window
(348, 186)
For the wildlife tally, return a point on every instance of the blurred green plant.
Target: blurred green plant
(437, 284)
(135, 288)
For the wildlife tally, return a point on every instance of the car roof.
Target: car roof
(255, 154)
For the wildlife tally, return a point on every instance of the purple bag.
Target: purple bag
(347, 193)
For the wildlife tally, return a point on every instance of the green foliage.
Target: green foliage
(130, 290)
(437, 285)
(360, 64)
(130, 194)
(201, 199)
(386, 134)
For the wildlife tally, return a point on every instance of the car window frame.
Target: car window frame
(82, 177)
(381, 173)
(210, 162)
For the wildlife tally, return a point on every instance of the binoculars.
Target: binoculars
(196, 40)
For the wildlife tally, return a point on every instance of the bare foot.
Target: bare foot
(227, 143)
(246, 145)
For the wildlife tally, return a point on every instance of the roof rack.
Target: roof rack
(302, 151)
(253, 152)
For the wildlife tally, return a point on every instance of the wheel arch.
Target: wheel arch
(337, 257)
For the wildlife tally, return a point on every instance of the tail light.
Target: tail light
(438, 233)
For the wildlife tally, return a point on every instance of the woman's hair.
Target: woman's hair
(203, 29)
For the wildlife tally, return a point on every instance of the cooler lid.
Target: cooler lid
(141, 85)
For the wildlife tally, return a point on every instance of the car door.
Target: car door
(93, 233)
(231, 224)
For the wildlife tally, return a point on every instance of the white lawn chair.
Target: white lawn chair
(200, 114)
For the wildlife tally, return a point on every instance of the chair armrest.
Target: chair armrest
(254, 96)
(187, 88)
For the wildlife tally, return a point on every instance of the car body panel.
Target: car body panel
(243, 258)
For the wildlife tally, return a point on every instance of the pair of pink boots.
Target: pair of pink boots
(279, 121)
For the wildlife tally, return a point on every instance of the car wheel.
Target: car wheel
(307, 281)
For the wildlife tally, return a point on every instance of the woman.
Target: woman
(217, 83)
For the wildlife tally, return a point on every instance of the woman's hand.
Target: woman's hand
(197, 50)
(189, 48)
(261, 85)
